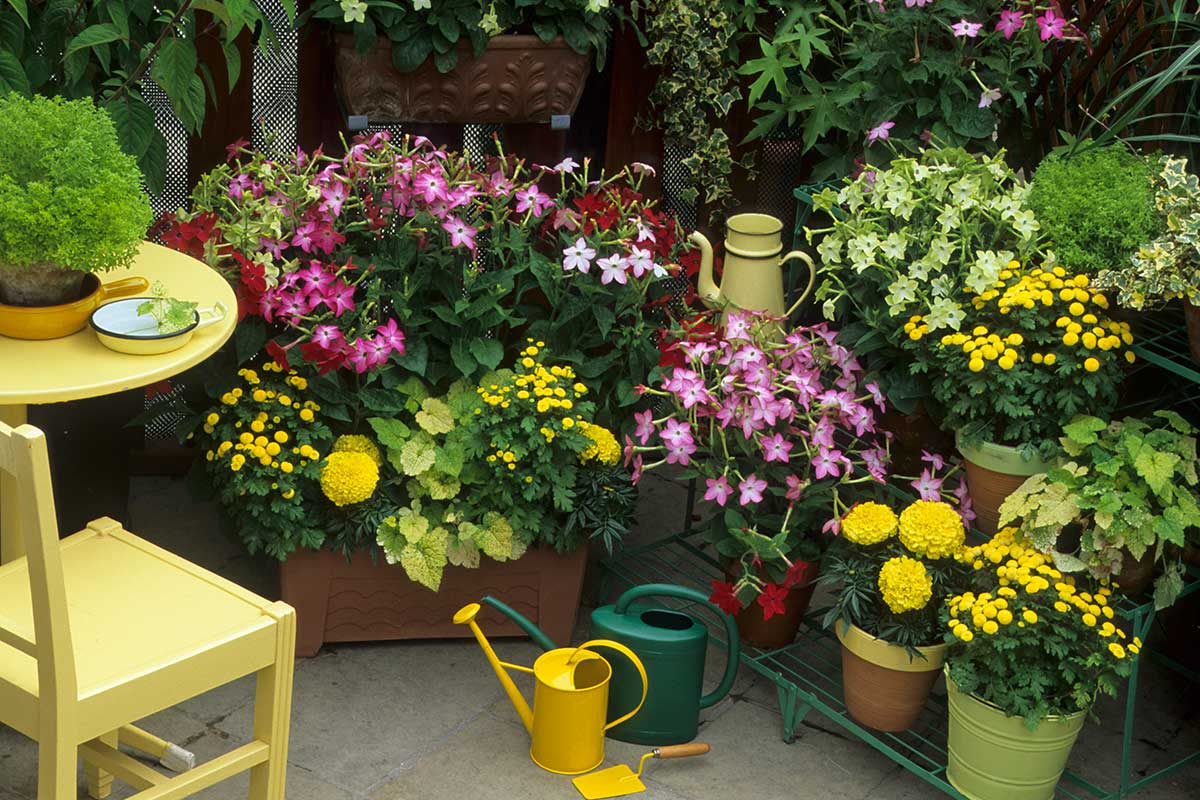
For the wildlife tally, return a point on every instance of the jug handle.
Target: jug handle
(637, 663)
(732, 639)
(812, 277)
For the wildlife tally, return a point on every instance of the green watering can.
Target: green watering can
(671, 645)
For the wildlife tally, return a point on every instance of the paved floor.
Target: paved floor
(427, 720)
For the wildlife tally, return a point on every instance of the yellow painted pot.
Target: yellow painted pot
(54, 322)
(119, 327)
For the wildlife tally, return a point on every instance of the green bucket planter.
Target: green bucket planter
(992, 756)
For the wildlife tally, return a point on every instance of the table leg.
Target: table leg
(12, 543)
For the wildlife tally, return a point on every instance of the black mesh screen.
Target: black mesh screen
(175, 190)
(273, 100)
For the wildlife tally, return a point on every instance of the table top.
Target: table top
(79, 366)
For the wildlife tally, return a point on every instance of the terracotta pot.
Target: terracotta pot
(515, 79)
(780, 630)
(1191, 316)
(994, 471)
(1135, 574)
(883, 686)
(40, 285)
(1191, 554)
(367, 600)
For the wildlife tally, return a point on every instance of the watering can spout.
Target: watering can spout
(710, 293)
(466, 616)
(535, 633)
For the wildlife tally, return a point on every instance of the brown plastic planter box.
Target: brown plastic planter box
(515, 79)
(367, 600)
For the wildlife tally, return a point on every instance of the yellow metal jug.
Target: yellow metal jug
(570, 700)
(753, 274)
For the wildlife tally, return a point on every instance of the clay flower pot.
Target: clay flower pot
(1191, 316)
(883, 686)
(780, 630)
(1135, 574)
(515, 79)
(994, 471)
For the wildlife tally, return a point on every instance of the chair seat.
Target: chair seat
(136, 610)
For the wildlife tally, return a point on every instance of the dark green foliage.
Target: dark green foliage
(605, 503)
(1097, 207)
(68, 195)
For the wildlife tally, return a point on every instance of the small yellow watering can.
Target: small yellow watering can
(570, 700)
(753, 275)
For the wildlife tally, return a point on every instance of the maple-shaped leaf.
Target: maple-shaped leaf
(1156, 468)
(435, 416)
(495, 537)
(391, 433)
(425, 561)
(417, 455)
(462, 552)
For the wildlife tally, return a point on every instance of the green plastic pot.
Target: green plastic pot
(992, 756)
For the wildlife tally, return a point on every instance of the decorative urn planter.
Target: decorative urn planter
(994, 471)
(366, 599)
(515, 79)
(884, 687)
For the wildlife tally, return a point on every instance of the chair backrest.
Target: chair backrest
(23, 455)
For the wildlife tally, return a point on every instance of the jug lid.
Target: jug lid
(570, 669)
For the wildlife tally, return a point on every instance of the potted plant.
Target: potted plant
(464, 60)
(1096, 207)
(891, 576)
(1165, 267)
(1035, 348)
(71, 202)
(1029, 652)
(777, 426)
(1128, 489)
(437, 486)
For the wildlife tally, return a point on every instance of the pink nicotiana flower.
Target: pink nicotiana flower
(880, 132)
(1051, 24)
(461, 234)
(612, 269)
(775, 448)
(795, 488)
(567, 165)
(988, 96)
(1010, 22)
(750, 490)
(578, 256)
(966, 29)
(645, 426)
(718, 490)
(928, 487)
(532, 200)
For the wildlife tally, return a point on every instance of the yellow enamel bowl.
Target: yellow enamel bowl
(54, 322)
(119, 327)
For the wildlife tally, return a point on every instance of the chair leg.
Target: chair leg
(273, 711)
(57, 775)
(99, 782)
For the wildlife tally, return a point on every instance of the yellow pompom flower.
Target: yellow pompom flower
(1116, 649)
(354, 443)
(349, 477)
(932, 529)
(904, 584)
(289, 494)
(603, 449)
(306, 415)
(1089, 619)
(1029, 615)
(1049, 359)
(1091, 365)
(869, 523)
(237, 462)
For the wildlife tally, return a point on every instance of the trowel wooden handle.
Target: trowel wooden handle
(681, 750)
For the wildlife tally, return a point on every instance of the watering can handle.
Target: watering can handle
(812, 277)
(731, 631)
(637, 663)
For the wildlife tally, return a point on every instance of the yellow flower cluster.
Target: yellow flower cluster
(869, 523)
(932, 529)
(354, 443)
(603, 449)
(505, 458)
(904, 584)
(1022, 573)
(545, 389)
(1017, 289)
(349, 477)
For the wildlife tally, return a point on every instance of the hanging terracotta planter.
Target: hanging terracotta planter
(781, 629)
(1191, 316)
(994, 471)
(515, 79)
(992, 756)
(883, 686)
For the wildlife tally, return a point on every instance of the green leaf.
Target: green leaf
(462, 552)
(391, 433)
(488, 352)
(174, 68)
(13, 74)
(495, 538)
(435, 416)
(21, 9)
(216, 8)
(417, 455)
(233, 62)
(1083, 430)
(412, 53)
(460, 353)
(1156, 468)
(153, 163)
(425, 561)
(134, 121)
(450, 459)
(118, 15)
(92, 36)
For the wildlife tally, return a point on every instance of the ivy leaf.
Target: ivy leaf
(435, 416)
(1156, 468)
(425, 561)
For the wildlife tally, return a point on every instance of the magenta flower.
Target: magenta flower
(934, 460)
(303, 237)
(718, 490)
(966, 29)
(1051, 24)
(775, 448)
(988, 96)
(927, 486)
(876, 462)
(680, 452)
(917, 3)
(612, 269)
(566, 218)
(750, 490)
(392, 336)
(339, 297)
(737, 326)
(833, 526)
(461, 234)
(827, 464)
(876, 395)
(578, 256)
(332, 198)
(795, 487)
(431, 187)
(530, 199)
(645, 425)
(1010, 22)
(880, 132)
(361, 356)
(676, 432)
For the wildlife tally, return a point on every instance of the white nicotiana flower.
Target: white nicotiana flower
(941, 249)
(944, 313)
(984, 273)
(829, 309)
(830, 250)
(949, 219)
(1025, 223)
(895, 245)
(596, 6)
(421, 4)
(964, 192)
(353, 11)
(901, 293)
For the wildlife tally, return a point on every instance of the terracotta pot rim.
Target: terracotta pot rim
(1000, 458)
(1052, 718)
(886, 654)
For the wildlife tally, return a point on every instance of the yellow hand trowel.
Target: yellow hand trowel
(621, 780)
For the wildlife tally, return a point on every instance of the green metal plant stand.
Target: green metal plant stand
(807, 673)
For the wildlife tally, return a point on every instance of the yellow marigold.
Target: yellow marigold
(349, 477)
(904, 584)
(237, 462)
(603, 449)
(869, 523)
(353, 443)
(1117, 650)
(932, 529)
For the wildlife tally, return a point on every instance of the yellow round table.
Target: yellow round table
(78, 366)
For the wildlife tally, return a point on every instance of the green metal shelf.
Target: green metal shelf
(807, 673)
(1161, 339)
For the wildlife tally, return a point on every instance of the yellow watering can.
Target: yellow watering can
(753, 275)
(570, 700)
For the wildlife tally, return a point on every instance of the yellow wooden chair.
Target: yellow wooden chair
(103, 629)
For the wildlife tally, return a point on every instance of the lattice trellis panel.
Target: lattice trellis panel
(274, 91)
(175, 190)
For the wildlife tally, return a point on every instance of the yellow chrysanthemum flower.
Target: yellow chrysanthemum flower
(354, 443)
(904, 584)
(869, 523)
(349, 477)
(603, 449)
